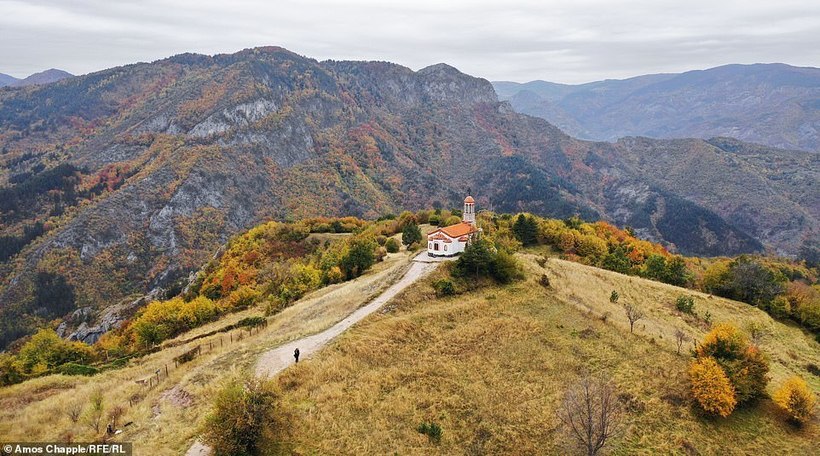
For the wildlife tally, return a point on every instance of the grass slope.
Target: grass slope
(490, 366)
(167, 417)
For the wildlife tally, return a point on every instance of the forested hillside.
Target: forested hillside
(122, 182)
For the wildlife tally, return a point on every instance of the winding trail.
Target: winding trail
(276, 360)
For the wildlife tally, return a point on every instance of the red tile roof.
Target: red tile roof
(456, 231)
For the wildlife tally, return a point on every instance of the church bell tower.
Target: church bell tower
(469, 211)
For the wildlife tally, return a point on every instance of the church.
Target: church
(452, 240)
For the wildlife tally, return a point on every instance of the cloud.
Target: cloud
(559, 41)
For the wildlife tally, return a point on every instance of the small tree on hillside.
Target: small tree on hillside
(680, 338)
(392, 245)
(613, 298)
(410, 234)
(633, 314)
(239, 418)
(591, 414)
(711, 387)
(796, 399)
(93, 417)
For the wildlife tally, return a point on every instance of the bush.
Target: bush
(505, 268)
(77, 369)
(711, 387)
(431, 430)
(392, 245)
(685, 304)
(482, 259)
(743, 364)
(444, 287)
(544, 281)
(240, 415)
(796, 399)
(252, 322)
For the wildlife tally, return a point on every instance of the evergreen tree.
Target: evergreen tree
(410, 234)
(525, 229)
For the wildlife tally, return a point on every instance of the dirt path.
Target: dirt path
(274, 361)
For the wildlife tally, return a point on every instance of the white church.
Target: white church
(452, 240)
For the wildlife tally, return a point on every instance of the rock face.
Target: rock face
(161, 163)
(773, 104)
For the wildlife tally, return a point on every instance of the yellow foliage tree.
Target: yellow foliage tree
(796, 399)
(711, 387)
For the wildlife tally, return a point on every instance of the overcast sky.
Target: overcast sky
(563, 41)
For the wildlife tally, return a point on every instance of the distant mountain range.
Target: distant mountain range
(43, 77)
(123, 181)
(773, 104)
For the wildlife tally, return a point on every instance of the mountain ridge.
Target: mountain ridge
(42, 77)
(123, 181)
(772, 104)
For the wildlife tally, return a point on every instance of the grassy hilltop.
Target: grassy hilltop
(484, 360)
(490, 366)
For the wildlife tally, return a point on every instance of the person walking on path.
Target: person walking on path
(296, 354)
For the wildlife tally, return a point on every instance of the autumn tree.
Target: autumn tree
(633, 314)
(711, 387)
(744, 364)
(796, 399)
(591, 413)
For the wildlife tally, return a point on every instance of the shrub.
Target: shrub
(77, 369)
(240, 415)
(749, 375)
(614, 296)
(796, 399)
(744, 365)
(724, 341)
(444, 287)
(544, 281)
(392, 245)
(711, 387)
(505, 268)
(251, 322)
(685, 304)
(431, 430)
(334, 275)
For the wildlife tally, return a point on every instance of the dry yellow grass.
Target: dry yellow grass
(166, 418)
(490, 367)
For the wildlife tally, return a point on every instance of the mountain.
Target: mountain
(122, 182)
(6, 80)
(43, 77)
(773, 104)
